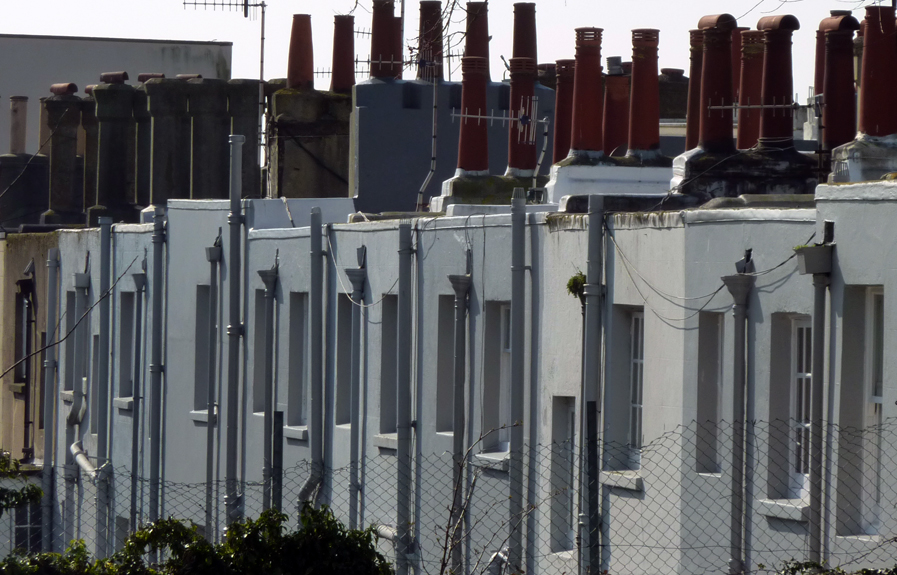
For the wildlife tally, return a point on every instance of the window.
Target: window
(563, 460)
(497, 378)
(43, 378)
(22, 336)
(445, 364)
(258, 357)
(636, 390)
(388, 362)
(126, 346)
(801, 387)
(71, 318)
(709, 391)
(27, 520)
(874, 359)
(343, 359)
(298, 366)
(624, 396)
(203, 346)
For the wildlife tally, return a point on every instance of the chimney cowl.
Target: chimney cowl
(839, 22)
(778, 22)
(113, 77)
(717, 22)
(645, 38)
(143, 77)
(63, 89)
(614, 66)
(188, 76)
(89, 89)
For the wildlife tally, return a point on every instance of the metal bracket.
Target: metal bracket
(237, 330)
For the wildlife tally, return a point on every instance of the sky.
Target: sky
(556, 21)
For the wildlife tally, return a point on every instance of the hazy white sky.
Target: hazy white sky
(556, 20)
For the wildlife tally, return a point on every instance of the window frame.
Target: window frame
(800, 393)
(873, 406)
(635, 434)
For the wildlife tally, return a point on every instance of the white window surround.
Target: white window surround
(636, 387)
(801, 383)
(873, 404)
(504, 434)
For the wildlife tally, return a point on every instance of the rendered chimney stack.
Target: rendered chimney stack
(563, 109)
(473, 144)
(736, 60)
(525, 31)
(382, 45)
(751, 85)
(616, 106)
(839, 111)
(716, 84)
(210, 128)
(430, 41)
(300, 65)
(63, 120)
(18, 114)
(696, 63)
(477, 32)
(398, 49)
(521, 133)
(115, 117)
(586, 138)
(878, 115)
(819, 68)
(170, 140)
(644, 116)
(343, 70)
(777, 124)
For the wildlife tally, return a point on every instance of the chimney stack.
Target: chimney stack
(878, 116)
(18, 114)
(751, 84)
(382, 45)
(477, 32)
(398, 50)
(839, 111)
(616, 106)
(63, 119)
(525, 31)
(696, 62)
(736, 61)
(644, 116)
(170, 141)
(563, 109)
(521, 144)
(473, 148)
(343, 77)
(587, 138)
(115, 116)
(777, 124)
(429, 55)
(716, 84)
(300, 65)
(210, 128)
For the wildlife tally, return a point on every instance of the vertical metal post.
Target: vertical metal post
(102, 392)
(140, 287)
(213, 256)
(234, 328)
(277, 463)
(518, 387)
(820, 284)
(156, 362)
(270, 279)
(50, 395)
(403, 404)
(461, 285)
(357, 277)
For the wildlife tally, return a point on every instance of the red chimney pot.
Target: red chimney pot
(113, 77)
(525, 31)
(563, 108)
(382, 44)
(477, 31)
(776, 124)
(64, 89)
(301, 64)
(716, 83)
(751, 85)
(473, 142)
(878, 116)
(343, 77)
(588, 110)
(521, 145)
(839, 111)
(693, 114)
(644, 109)
(430, 41)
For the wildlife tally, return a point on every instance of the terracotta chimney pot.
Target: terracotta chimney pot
(525, 31)
(382, 45)
(64, 89)
(878, 116)
(776, 124)
(477, 31)
(587, 133)
(839, 110)
(736, 60)
(473, 143)
(430, 41)
(693, 114)
(563, 109)
(716, 83)
(521, 133)
(343, 77)
(141, 78)
(301, 63)
(751, 85)
(644, 110)
(113, 77)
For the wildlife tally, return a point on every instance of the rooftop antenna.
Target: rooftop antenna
(251, 9)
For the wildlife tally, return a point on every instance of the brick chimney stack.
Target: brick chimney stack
(563, 109)
(382, 44)
(751, 85)
(300, 65)
(644, 109)
(430, 41)
(66, 192)
(587, 136)
(839, 111)
(343, 77)
(521, 145)
(473, 144)
(477, 32)
(696, 63)
(18, 113)
(777, 124)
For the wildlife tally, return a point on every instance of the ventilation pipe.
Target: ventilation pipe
(777, 124)
(473, 139)
(301, 63)
(518, 386)
(644, 111)
(716, 84)
(62, 121)
(839, 97)
(398, 51)
(616, 106)
(429, 66)
(751, 84)
(50, 396)
(563, 111)
(524, 45)
(343, 77)
(140, 291)
(461, 286)
(521, 131)
(586, 139)
(476, 43)
(156, 362)
(736, 61)
(234, 328)
(243, 108)
(357, 277)
(878, 116)
(316, 384)
(404, 526)
(696, 63)
(382, 45)
(18, 115)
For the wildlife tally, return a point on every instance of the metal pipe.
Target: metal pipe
(277, 463)
(213, 256)
(739, 286)
(403, 404)
(82, 460)
(234, 328)
(316, 383)
(518, 387)
(140, 287)
(820, 284)
(270, 278)
(156, 362)
(81, 282)
(357, 277)
(592, 368)
(461, 285)
(102, 392)
(49, 400)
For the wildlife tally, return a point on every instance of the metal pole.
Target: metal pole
(739, 286)
(403, 404)
(820, 284)
(102, 414)
(461, 285)
(234, 328)
(356, 277)
(270, 279)
(156, 362)
(213, 256)
(277, 463)
(140, 287)
(49, 400)
(518, 277)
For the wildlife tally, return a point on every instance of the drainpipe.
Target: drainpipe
(316, 387)
(140, 288)
(213, 256)
(269, 277)
(461, 285)
(404, 542)
(81, 281)
(103, 387)
(156, 361)
(592, 371)
(357, 277)
(518, 293)
(49, 400)
(739, 286)
(234, 328)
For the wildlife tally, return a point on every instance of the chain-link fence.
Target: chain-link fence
(666, 508)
